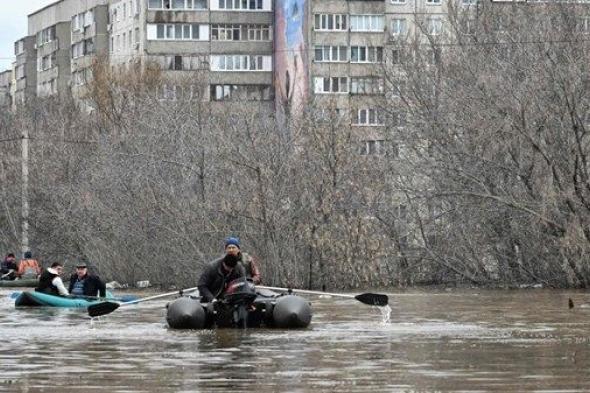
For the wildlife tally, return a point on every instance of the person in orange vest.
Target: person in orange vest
(28, 267)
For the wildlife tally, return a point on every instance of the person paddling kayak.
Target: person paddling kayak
(50, 281)
(82, 283)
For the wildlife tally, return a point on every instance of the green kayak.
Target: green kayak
(40, 299)
(27, 282)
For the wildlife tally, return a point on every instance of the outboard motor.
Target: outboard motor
(291, 311)
(186, 313)
(237, 301)
(240, 291)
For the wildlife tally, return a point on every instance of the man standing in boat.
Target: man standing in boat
(50, 281)
(219, 273)
(84, 284)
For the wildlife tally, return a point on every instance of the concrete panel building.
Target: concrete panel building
(25, 69)
(226, 45)
(284, 52)
(5, 85)
(89, 40)
(68, 35)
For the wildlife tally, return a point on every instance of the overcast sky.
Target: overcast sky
(13, 25)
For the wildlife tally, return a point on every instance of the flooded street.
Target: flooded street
(470, 341)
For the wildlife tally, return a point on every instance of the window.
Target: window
(367, 117)
(398, 1)
(433, 2)
(19, 47)
(89, 46)
(241, 93)
(366, 85)
(259, 33)
(77, 22)
(78, 50)
(179, 62)
(19, 71)
(178, 32)
(89, 18)
(241, 63)
(177, 5)
(44, 63)
(328, 53)
(330, 22)
(338, 84)
(366, 54)
(366, 22)
(434, 26)
(240, 5)
(226, 32)
(45, 36)
(372, 147)
(398, 26)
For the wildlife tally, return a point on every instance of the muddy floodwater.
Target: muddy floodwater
(432, 341)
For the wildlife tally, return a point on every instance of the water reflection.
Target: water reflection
(427, 341)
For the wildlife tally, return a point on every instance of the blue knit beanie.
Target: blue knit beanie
(232, 240)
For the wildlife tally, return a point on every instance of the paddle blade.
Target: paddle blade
(373, 299)
(103, 308)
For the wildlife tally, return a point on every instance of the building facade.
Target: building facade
(284, 52)
(25, 70)
(5, 83)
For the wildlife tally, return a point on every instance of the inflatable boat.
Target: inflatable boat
(40, 299)
(25, 282)
(242, 307)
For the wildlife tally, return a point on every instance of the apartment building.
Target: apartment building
(68, 34)
(245, 50)
(5, 83)
(89, 39)
(350, 42)
(25, 70)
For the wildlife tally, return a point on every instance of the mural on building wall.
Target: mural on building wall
(291, 55)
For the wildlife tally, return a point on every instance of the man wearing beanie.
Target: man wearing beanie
(219, 273)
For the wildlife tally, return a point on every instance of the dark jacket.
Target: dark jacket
(7, 265)
(214, 279)
(45, 283)
(92, 286)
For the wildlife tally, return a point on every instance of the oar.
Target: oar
(372, 299)
(108, 306)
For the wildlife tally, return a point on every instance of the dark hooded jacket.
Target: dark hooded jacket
(214, 279)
